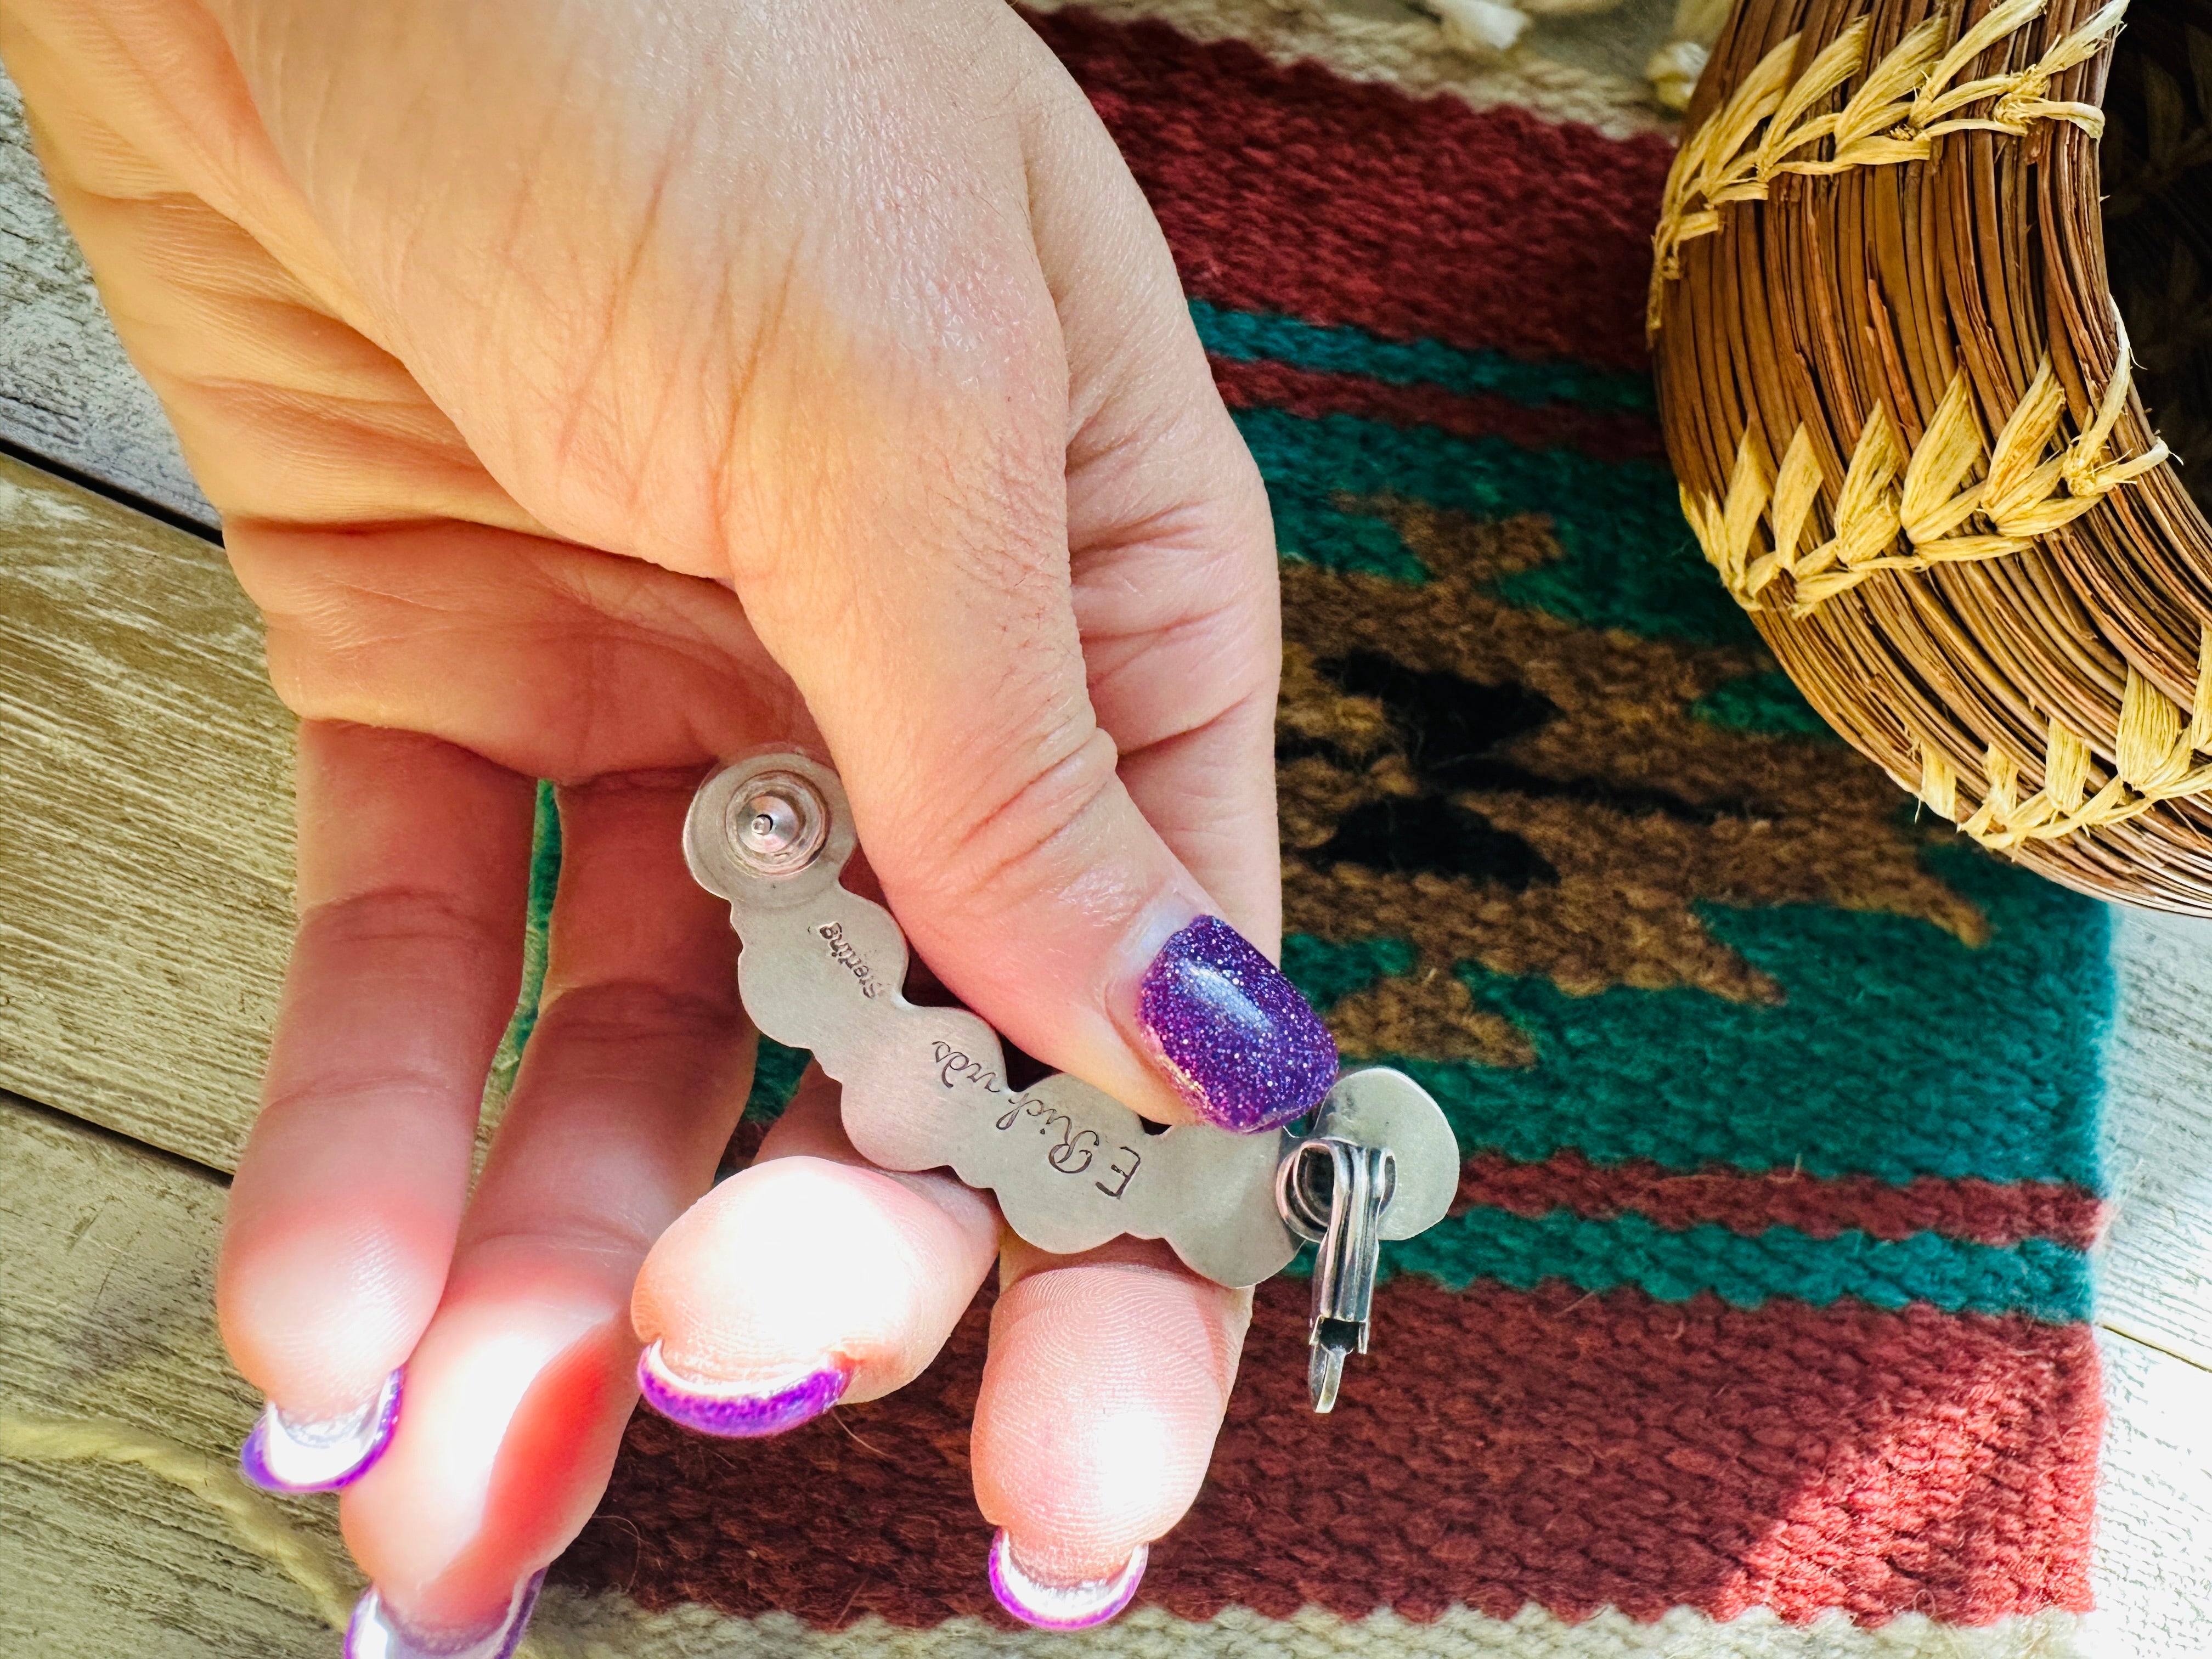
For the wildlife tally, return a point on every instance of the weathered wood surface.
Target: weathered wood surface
(2157, 1267)
(2153, 1569)
(145, 833)
(67, 392)
(107, 1283)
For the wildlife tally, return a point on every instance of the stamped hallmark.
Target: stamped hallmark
(842, 953)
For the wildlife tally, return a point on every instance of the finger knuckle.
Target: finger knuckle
(1012, 840)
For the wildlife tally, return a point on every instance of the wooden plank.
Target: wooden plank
(106, 1283)
(145, 830)
(2154, 1556)
(68, 394)
(2156, 1268)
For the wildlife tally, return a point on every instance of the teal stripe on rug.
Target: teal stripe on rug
(2044, 1280)
(537, 940)
(1897, 1051)
(1262, 337)
(1767, 703)
(1628, 559)
(776, 1071)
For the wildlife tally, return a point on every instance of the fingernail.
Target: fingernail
(733, 1414)
(374, 1632)
(1061, 1606)
(1236, 1036)
(290, 1455)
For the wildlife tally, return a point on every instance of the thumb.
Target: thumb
(950, 681)
(1036, 625)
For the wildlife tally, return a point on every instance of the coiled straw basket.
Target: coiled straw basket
(1903, 251)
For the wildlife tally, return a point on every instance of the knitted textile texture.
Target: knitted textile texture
(1759, 1326)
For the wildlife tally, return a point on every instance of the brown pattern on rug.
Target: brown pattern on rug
(1432, 1014)
(1499, 785)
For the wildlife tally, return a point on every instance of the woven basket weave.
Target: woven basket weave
(1912, 433)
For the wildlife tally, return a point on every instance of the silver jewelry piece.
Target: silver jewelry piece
(822, 969)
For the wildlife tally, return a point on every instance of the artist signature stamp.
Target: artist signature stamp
(1076, 1148)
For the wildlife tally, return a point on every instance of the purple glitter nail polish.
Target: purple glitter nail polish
(374, 1633)
(1234, 1034)
(281, 1455)
(737, 1416)
(1061, 1606)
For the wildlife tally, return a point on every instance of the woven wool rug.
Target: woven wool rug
(1759, 1328)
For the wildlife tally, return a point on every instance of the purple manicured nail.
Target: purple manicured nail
(374, 1633)
(1061, 1606)
(731, 1415)
(1234, 1034)
(287, 1454)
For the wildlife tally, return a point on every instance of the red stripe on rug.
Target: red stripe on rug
(1309, 392)
(1496, 1448)
(1285, 189)
(1986, 1211)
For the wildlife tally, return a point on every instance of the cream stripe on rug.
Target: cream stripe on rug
(575, 1627)
(1416, 55)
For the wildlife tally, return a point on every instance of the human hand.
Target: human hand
(592, 391)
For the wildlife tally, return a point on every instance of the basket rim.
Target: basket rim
(1980, 494)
